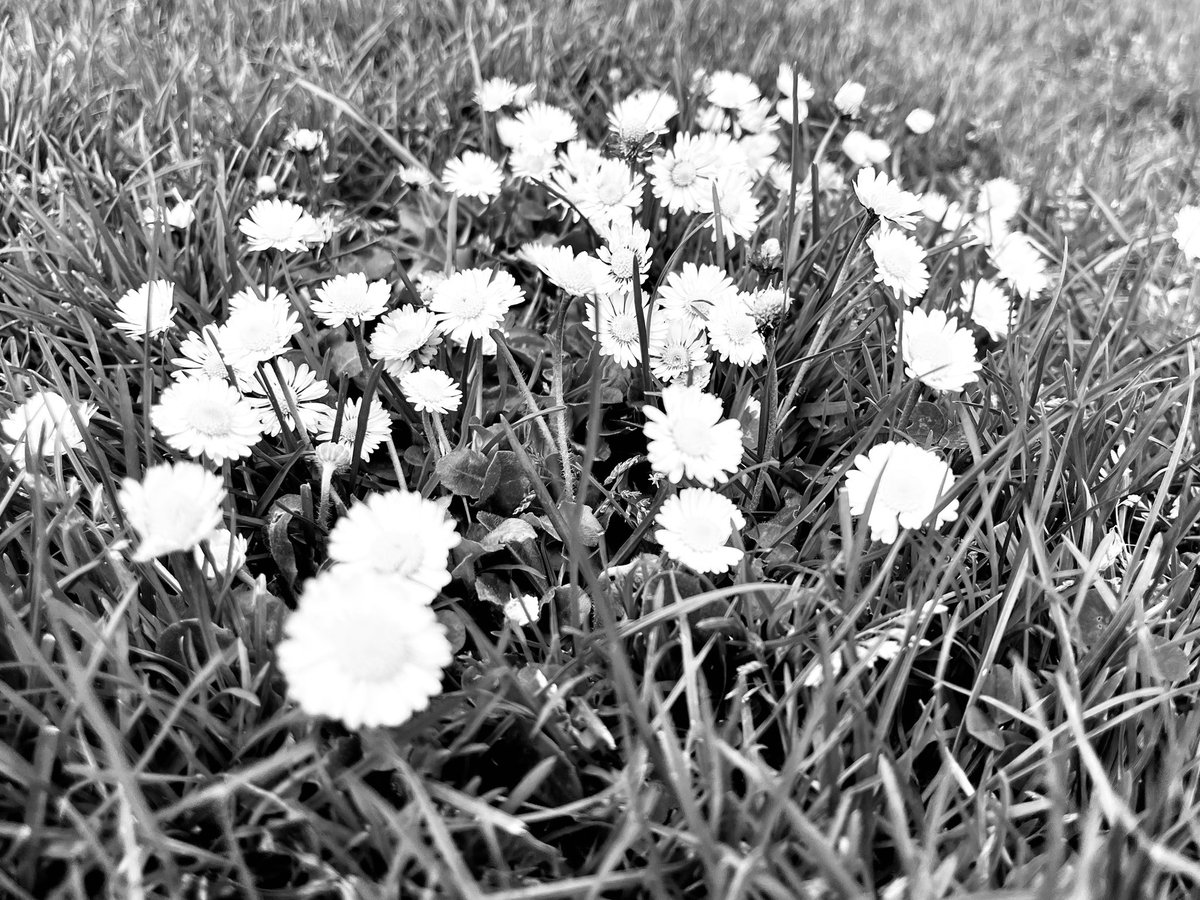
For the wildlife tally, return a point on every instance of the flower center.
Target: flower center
(675, 358)
(705, 534)
(683, 173)
(472, 307)
(692, 436)
(611, 191)
(211, 419)
(621, 263)
(369, 654)
(624, 329)
(741, 329)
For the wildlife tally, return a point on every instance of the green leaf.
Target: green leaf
(983, 729)
(463, 471)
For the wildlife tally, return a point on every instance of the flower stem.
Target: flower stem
(451, 232)
(561, 417)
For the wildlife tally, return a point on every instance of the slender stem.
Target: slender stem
(768, 412)
(323, 501)
(530, 401)
(561, 417)
(451, 232)
(825, 139)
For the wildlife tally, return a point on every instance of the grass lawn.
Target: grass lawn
(862, 564)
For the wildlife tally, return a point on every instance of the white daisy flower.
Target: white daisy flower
(173, 508)
(694, 529)
(148, 310)
(759, 152)
(543, 125)
(301, 384)
(399, 534)
(766, 305)
(350, 298)
(899, 263)
(626, 246)
(577, 275)
(265, 185)
(415, 176)
(857, 147)
(524, 95)
(472, 303)
(1187, 232)
(948, 214)
(907, 482)
(849, 99)
(936, 351)
(676, 349)
(692, 293)
(682, 176)
(618, 334)
(877, 151)
(45, 425)
(735, 335)
(920, 121)
(280, 225)
(305, 140)
(886, 199)
(607, 194)
(1001, 197)
(404, 339)
(522, 610)
(804, 90)
(495, 94)
(201, 355)
(378, 425)
(533, 163)
(988, 306)
(359, 650)
(473, 175)
(690, 436)
(642, 113)
(1020, 264)
(739, 210)
(431, 390)
(731, 90)
(179, 216)
(228, 553)
(259, 327)
(206, 417)
(757, 119)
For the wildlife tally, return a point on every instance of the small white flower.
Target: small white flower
(522, 610)
(305, 140)
(877, 151)
(227, 551)
(886, 199)
(691, 294)
(907, 482)
(899, 263)
(201, 355)
(676, 349)
(473, 175)
(45, 425)
(949, 214)
(264, 185)
(731, 90)
(739, 210)
(691, 437)
(378, 425)
(495, 94)
(604, 195)
(642, 113)
(857, 147)
(173, 508)
(618, 335)
(920, 121)
(280, 225)
(988, 306)
(626, 248)
(179, 216)
(260, 326)
(350, 298)
(849, 99)
(206, 417)
(404, 339)
(148, 310)
(472, 303)
(399, 534)
(695, 526)
(1001, 198)
(1187, 232)
(936, 351)
(361, 650)
(532, 163)
(524, 95)
(766, 305)
(542, 125)
(1021, 265)
(804, 90)
(416, 176)
(735, 335)
(431, 390)
(577, 275)
(300, 384)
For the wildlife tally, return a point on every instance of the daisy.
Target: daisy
(173, 508)
(148, 310)
(265, 185)
(1187, 232)
(682, 176)
(694, 529)
(399, 534)
(948, 214)
(691, 437)
(415, 176)
(378, 425)
(766, 305)
(305, 140)
(431, 390)
(607, 194)
(618, 328)
(642, 113)
(849, 99)
(907, 482)
(987, 305)
(804, 93)
(757, 118)
(532, 163)
(203, 416)
(45, 424)
(735, 335)
(577, 275)
(759, 152)
(731, 90)
(259, 327)
(1021, 265)
(899, 263)
(877, 151)
(280, 225)
(179, 216)
(676, 348)
(300, 385)
(350, 298)
(472, 303)
(495, 94)
(359, 650)
(524, 95)
(626, 248)
(228, 552)
(884, 197)
(201, 355)
(1001, 197)
(543, 125)
(738, 209)
(920, 121)
(936, 351)
(473, 175)
(404, 339)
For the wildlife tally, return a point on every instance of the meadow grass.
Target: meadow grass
(654, 733)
